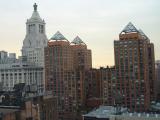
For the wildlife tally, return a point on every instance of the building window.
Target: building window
(31, 28)
(41, 28)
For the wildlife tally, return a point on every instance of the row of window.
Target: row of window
(32, 28)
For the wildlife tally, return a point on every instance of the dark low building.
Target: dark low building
(17, 105)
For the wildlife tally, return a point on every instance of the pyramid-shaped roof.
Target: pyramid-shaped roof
(58, 36)
(129, 28)
(78, 41)
(142, 34)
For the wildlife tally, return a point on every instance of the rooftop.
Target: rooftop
(143, 115)
(142, 34)
(156, 106)
(129, 28)
(58, 36)
(108, 111)
(9, 109)
(104, 112)
(78, 41)
(35, 15)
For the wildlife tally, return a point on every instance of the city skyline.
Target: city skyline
(98, 25)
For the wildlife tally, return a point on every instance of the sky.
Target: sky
(97, 22)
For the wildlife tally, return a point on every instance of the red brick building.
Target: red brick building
(65, 64)
(135, 67)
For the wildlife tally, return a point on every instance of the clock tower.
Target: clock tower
(35, 39)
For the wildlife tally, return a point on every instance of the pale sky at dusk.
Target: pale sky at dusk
(97, 22)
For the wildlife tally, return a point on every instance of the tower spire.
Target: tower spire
(35, 7)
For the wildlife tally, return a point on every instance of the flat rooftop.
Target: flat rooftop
(108, 111)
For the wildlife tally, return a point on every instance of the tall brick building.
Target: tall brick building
(65, 64)
(135, 67)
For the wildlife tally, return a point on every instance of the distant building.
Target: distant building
(35, 39)
(6, 57)
(3, 55)
(14, 71)
(11, 74)
(135, 67)
(12, 55)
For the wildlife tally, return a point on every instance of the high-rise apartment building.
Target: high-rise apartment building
(135, 67)
(59, 74)
(65, 64)
(35, 39)
(82, 61)
(58, 59)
